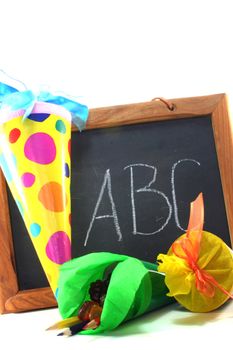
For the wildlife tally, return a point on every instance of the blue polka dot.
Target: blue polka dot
(38, 117)
(67, 170)
(20, 207)
(8, 166)
(35, 229)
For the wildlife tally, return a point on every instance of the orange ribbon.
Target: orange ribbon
(188, 248)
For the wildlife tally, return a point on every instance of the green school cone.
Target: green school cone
(135, 288)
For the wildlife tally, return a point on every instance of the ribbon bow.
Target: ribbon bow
(188, 248)
(15, 100)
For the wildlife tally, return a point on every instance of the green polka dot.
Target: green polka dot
(35, 229)
(60, 126)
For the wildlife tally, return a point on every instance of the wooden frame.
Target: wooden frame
(14, 300)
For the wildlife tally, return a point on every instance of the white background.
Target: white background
(116, 52)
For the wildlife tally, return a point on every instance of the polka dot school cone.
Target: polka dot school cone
(35, 160)
(199, 266)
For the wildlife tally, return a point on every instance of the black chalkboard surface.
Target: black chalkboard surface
(28, 267)
(135, 170)
(131, 190)
(132, 186)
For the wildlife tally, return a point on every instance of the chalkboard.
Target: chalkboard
(133, 196)
(132, 185)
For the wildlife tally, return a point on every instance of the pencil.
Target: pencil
(68, 322)
(73, 329)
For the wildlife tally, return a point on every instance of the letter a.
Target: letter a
(106, 183)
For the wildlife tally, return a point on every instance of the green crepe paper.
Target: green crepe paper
(133, 290)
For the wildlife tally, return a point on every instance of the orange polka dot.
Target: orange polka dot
(52, 197)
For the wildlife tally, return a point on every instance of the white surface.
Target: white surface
(171, 327)
(116, 52)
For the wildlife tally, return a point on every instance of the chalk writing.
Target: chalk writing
(106, 183)
(147, 188)
(174, 190)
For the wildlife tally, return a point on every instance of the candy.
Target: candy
(85, 309)
(95, 312)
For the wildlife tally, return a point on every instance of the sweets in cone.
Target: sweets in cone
(88, 319)
(89, 313)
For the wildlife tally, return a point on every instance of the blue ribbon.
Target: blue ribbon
(11, 97)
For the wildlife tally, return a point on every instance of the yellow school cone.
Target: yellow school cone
(35, 159)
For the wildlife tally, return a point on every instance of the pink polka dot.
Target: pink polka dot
(40, 148)
(58, 248)
(28, 179)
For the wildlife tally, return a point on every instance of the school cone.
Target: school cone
(135, 288)
(198, 266)
(35, 159)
